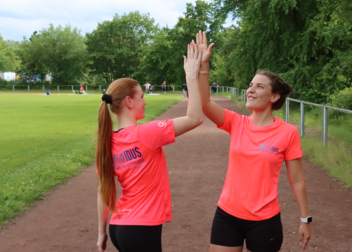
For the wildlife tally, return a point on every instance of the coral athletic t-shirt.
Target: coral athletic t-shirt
(140, 165)
(255, 159)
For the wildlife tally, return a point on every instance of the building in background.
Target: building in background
(9, 76)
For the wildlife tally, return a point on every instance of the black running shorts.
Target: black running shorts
(260, 236)
(136, 238)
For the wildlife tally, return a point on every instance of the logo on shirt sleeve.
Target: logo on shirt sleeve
(162, 124)
(271, 149)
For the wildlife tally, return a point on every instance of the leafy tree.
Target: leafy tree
(9, 59)
(307, 42)
(114, 47)
(163, 57)
(60, 51)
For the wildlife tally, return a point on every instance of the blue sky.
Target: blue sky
(20, 18)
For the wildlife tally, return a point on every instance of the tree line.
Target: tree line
(307, 42)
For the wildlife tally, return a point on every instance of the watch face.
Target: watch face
(309, 219)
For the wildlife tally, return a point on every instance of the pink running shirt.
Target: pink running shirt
(255, 159)
(140, 165)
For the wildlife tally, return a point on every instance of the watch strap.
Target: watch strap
(307, 220)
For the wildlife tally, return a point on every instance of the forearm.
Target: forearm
(194, 109)
(103, 214)
(203, 83)
(299, 190)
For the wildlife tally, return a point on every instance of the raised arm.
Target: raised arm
(194, 115)
(298, 186)
(211, 109)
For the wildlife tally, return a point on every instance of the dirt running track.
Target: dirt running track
(66, 220)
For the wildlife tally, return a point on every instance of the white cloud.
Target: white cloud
(20, 18)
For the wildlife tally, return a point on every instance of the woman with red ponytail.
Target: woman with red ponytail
(133, 155)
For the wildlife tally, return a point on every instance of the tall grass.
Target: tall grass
(47, 139)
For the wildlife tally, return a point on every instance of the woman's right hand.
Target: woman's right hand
(192, 61)
(101, 243)
(202, 43)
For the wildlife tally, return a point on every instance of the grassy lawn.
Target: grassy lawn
(47, 139)
(336, 156)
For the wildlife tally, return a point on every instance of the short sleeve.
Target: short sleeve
(294, 149)
(156, 134)
(230, 118)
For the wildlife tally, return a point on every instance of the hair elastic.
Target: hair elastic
(106, 98)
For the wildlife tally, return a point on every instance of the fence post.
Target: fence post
(28, 87)
(210, 89)
(13, 87)
(325, 125)
(86, 88)
(99, 87)
(302, 118)
(287, 110)
(43, 87)
(72, 87)
(173, 88)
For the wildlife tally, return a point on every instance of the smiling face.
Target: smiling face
(259, 95)
(138, 103)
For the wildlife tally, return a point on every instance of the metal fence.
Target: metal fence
(324, 115)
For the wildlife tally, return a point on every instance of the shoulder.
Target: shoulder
(286, 126)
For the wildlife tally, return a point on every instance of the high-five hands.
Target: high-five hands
(192, 61)
(202, 43)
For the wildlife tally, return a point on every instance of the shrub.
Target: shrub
(342, 99)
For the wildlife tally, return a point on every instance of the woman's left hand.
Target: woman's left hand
(305, 232)
(101, 243)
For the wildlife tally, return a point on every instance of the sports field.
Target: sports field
(47, 139)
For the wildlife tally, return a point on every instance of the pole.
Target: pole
(325, 125)
(302, 118)
(287, 111)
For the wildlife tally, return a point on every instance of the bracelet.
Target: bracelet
(204, 72)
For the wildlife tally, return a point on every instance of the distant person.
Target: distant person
(81, 90)
(48, 92)
(147, 86)
(163, 87)
(133, 155)
(185, 91)
(214, 87)
(103, 91)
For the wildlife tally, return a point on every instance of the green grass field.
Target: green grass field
(47, 139)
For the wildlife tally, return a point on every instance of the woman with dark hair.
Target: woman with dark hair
(248, 208)
(133, 155)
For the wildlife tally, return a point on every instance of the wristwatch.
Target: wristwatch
(307, 220)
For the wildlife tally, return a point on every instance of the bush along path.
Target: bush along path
(66, 220)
